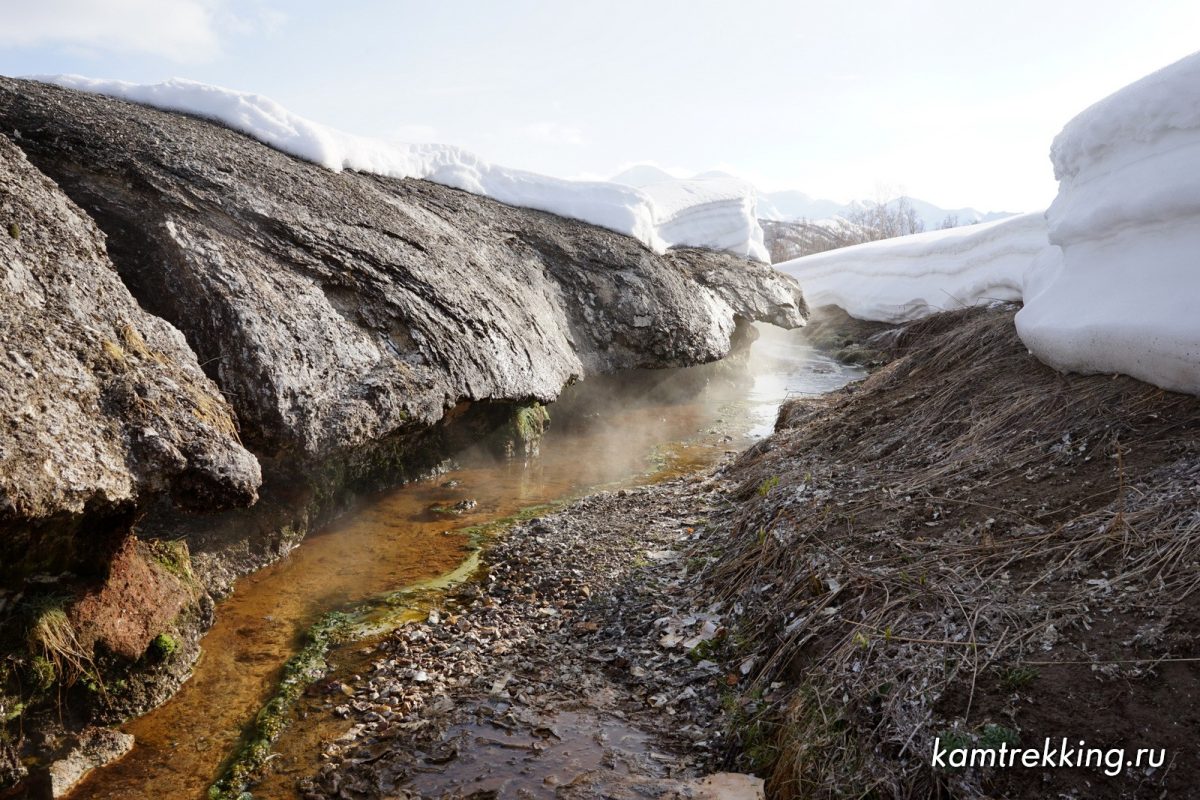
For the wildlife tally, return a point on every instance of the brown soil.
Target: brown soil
(137, 601)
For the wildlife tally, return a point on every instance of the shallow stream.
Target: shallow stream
(393, 540)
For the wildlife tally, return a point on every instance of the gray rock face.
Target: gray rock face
(91, 748)
(338, 309)
(102, 404)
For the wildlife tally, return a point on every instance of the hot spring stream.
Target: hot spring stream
(392, 540)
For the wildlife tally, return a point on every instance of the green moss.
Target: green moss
(14, 230)
(953, 741)
(477, 533)
(708, 650)
(766, 486)
(993, 736)
(10, 709)
(446, 510)
(175, 558)
(521, 431)
(530, 422)
(301, 670)
(989, 737)
(164, 647)
(749, 722)
(1015, 679)
(42, 673)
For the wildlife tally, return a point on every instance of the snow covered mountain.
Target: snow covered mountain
(640, 175)
(933, 216)
(790, 204)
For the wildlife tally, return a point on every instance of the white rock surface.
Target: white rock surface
(94, 748)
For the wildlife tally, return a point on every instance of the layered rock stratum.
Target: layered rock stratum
(335, 309)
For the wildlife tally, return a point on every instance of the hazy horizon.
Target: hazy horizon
(954, 105)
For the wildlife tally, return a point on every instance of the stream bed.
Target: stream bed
(399, 538)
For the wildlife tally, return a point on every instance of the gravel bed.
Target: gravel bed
(580, 664)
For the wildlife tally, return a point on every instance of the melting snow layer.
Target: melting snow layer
(1110, 278)
(909, 277)
(1118, 289)
(713, 213)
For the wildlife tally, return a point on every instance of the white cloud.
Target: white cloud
(180, 30)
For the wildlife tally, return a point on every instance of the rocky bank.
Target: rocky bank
(103, 403)
(571, 668)
(194, 321)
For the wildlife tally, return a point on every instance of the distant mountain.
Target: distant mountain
(933, 216)
(640, 175)
(791, 205)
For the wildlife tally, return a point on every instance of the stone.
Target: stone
(102, 404)
(91, 748)
(338, 309)
(728, 786)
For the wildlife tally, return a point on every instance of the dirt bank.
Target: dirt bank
(967, 547)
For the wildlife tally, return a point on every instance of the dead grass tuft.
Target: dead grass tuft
(51, 637)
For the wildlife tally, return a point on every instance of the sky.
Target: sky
(952, 102)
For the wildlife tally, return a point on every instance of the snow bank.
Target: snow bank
(909, 277)
(1119, 291)
(718, 214)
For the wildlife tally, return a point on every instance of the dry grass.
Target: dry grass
(51, 637)
(965, 519)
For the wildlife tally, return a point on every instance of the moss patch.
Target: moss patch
(530, 422)
(164, 646)
(301, 670)
(384, 614)
(175, 558)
